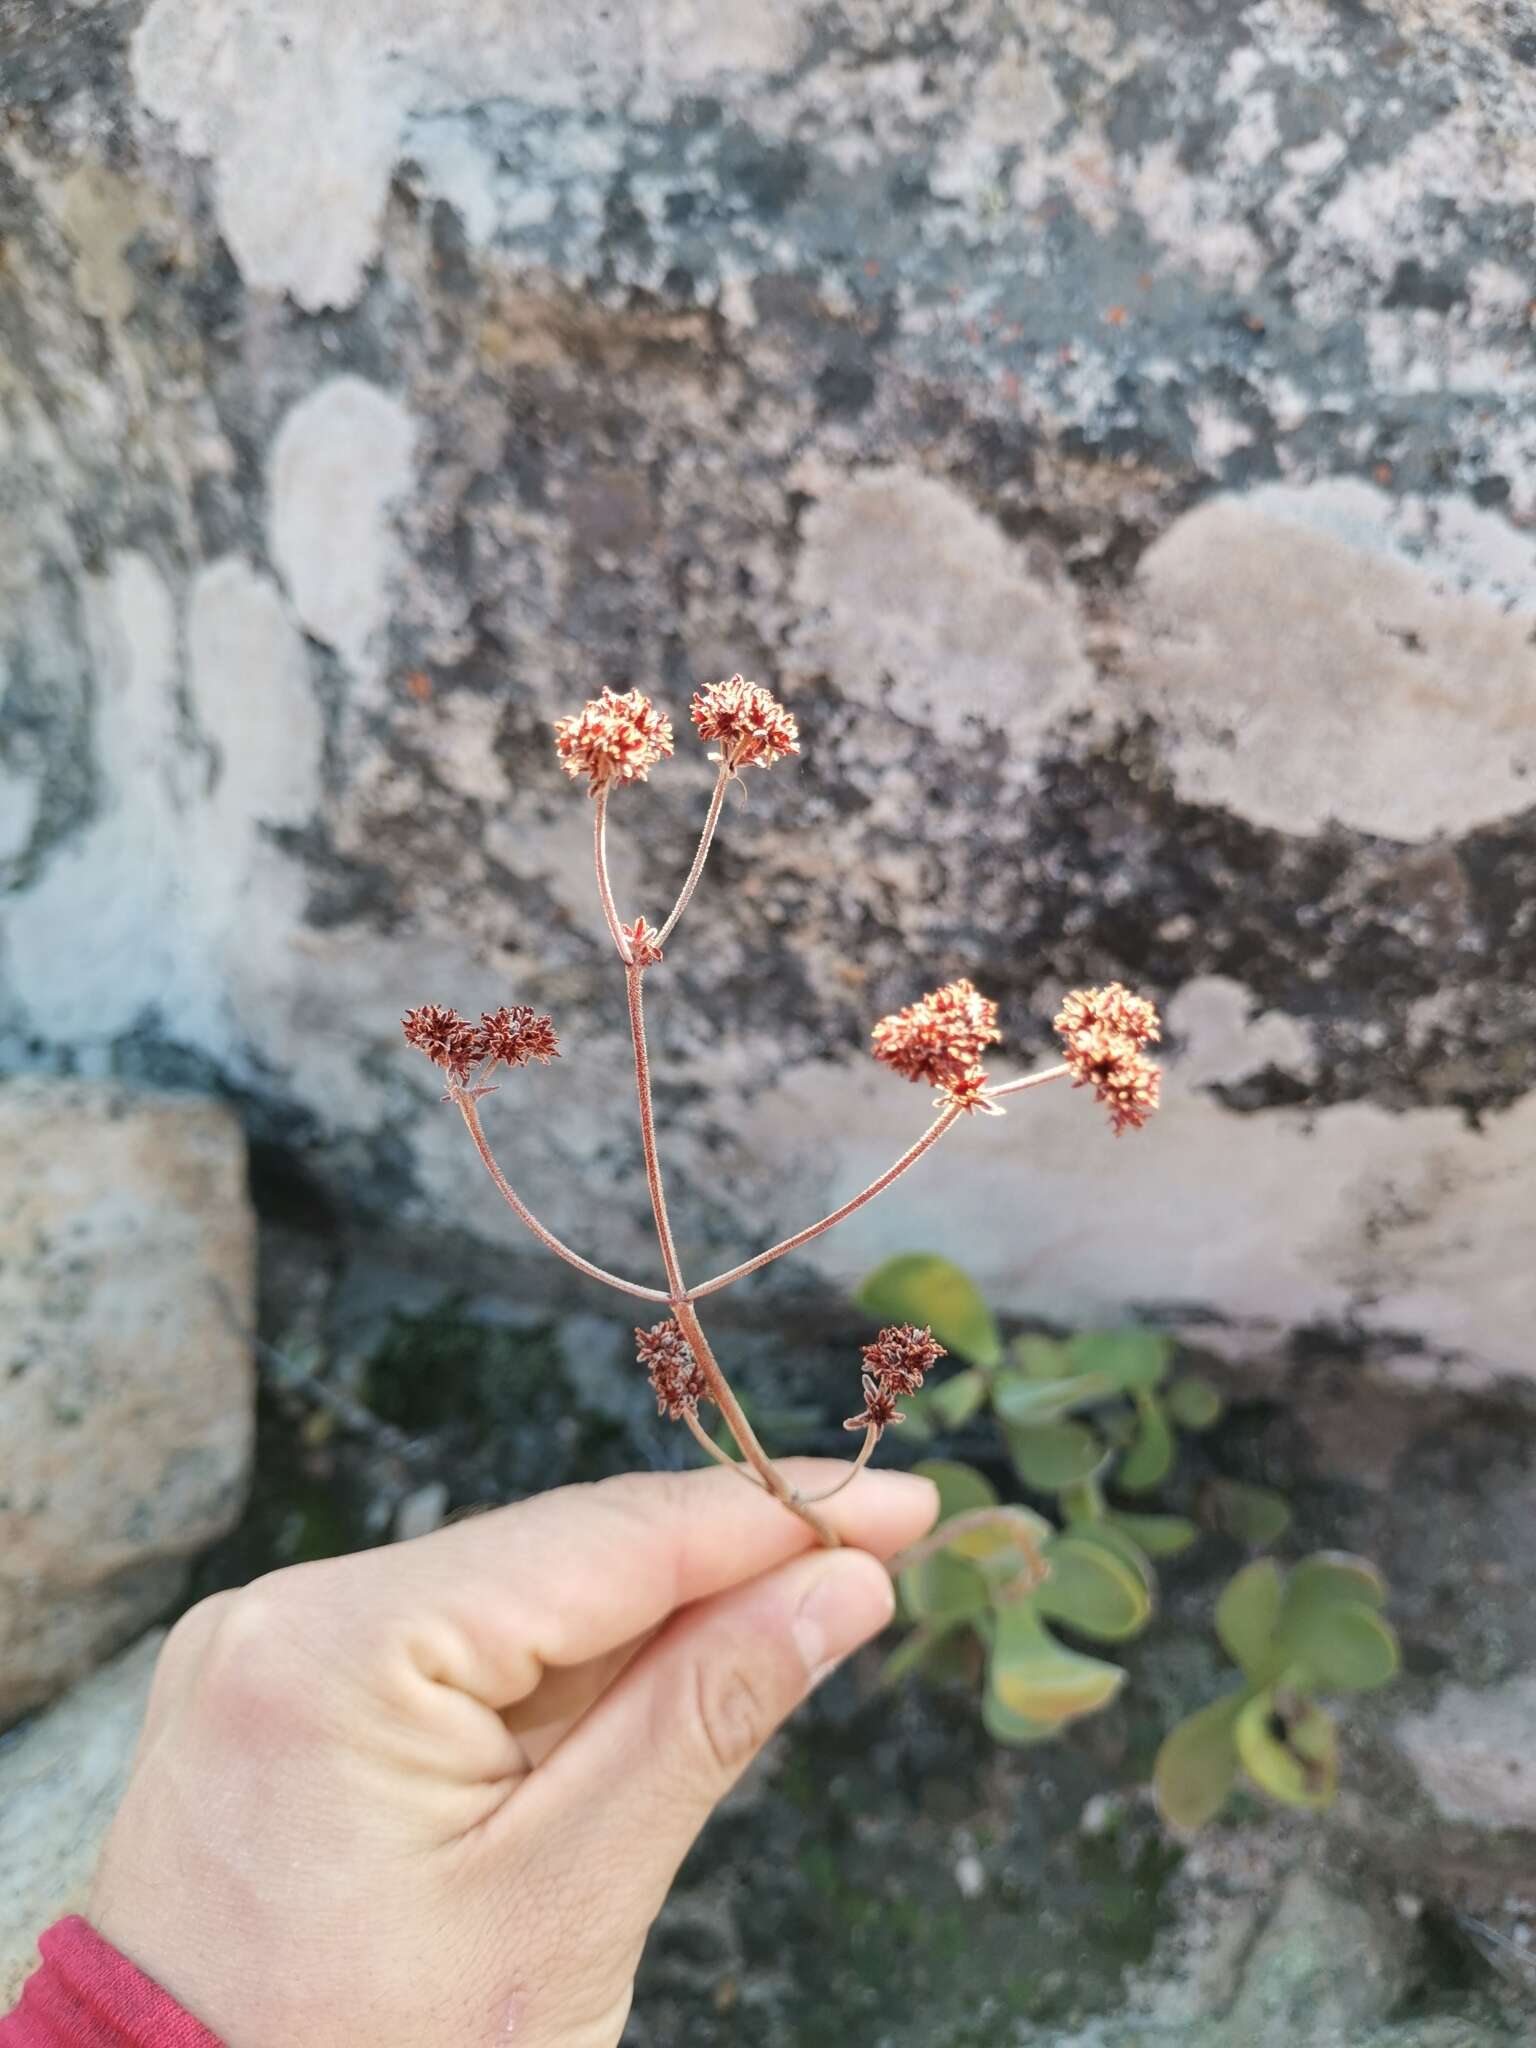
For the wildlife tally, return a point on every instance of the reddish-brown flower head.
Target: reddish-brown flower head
(448, 1040)
(940, 1040)
(514, 1036)
(879, 1410)
(746, 722)
(641, 938)
(617, 737)
(1103, 1031)
(900, 1356)
(677, 1378)
(1113, 1009)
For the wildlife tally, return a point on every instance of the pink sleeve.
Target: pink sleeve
(88, 1996)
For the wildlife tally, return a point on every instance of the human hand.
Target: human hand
(433, 1796)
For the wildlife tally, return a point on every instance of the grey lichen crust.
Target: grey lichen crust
(1110, 428)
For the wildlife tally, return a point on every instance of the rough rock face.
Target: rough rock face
(1110, 427)
(60, 1783)
(126, 1278)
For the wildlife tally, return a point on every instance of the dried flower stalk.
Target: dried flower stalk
(938, 1040)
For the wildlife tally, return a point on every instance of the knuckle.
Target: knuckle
(247, 1675)
(733, 1715)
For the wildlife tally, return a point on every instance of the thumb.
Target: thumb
(646, 1764)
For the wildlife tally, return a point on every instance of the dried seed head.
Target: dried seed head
(641, 938)
(940, 1040)
(1102, 1032)
(514, 1036)
(1112, 1009)
(448, 1040)
(677, 1378)
(746, 722)
(879, 1410)
(617, 737)
(900, 1356)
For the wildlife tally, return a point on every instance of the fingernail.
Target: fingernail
(850, 1599)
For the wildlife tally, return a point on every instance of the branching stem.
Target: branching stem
(706, 837)
(871, 1438)
(546, 1238)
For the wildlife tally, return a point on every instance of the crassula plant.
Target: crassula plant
(940, 1041)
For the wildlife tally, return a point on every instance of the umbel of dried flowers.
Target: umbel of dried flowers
(615, 739)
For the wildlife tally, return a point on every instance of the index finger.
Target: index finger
(489, 1604)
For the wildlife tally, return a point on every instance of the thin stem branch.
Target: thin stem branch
(604, 886)
(910, 1157)
(721, 1393)
(632, 976)
(706, 1442)
(1029, 1081)
(722, 783)
(719, 1386)
(813, 1500)
(546, 1238)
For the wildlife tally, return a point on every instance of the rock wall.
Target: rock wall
(1111, 427)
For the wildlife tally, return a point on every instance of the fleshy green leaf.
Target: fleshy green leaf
(1146, 1464)
(1157, 1535)
(1126, 1359)
(1344, 1646)
(1247, 1615)
(943, 1588)
(1038, 1679)
(922, 1288)
(1111, 1537)
(1058, 1455)
(1015, 1730)
(1193, 1403)
(1197, 1764)
(1330, 1575)
(1289, 1749)
(1040, 1358)
(1092, 1591)
(1253, 1514)
(1020, 1399)
(961, 1487)
(954, 1401)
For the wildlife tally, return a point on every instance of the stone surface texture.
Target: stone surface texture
(127, 1251)
(60, 1781)
(1112, 428)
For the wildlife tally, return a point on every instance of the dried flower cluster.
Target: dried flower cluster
(509, 1037)
(1104, 1032)
(677, 1378)
(617, 737)
(894, 1365)
(940, 1039)
(746, 722)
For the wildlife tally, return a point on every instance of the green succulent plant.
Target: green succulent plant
(1094, 1423)
(1317, 1628)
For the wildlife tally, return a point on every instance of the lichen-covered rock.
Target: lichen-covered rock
(60, 1782)
(127, 1253)
(1110, 427)
(1475, 1752)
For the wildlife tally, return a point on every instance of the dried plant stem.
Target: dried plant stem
(1029, 1081)
(910, 1157)
(706, 837)
(604, 886)
(719, 1386)
(632, 976)
(812, 1500)
(546, 1238)
(706, 1442)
